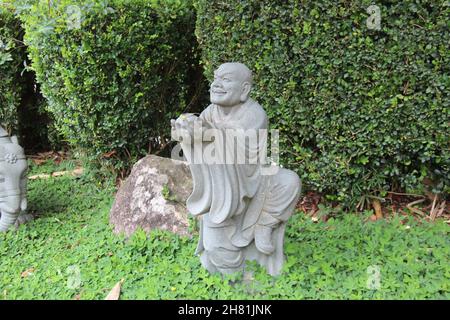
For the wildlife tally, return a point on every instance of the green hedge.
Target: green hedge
(113, 82)
(360, 111)
(21, 104)
(12, 56)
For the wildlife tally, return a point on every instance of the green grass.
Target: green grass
(324, 260)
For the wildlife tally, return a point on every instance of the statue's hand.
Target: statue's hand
(183, 126)
(173, 132)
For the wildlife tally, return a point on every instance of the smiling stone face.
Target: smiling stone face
(231, 85)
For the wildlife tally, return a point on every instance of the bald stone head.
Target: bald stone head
(232, 84)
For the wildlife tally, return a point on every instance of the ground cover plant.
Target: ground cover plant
(70, 252)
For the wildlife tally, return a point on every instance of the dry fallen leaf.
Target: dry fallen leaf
(59, 173)
(437, 211)
(39, 176)
(377, 207)
(38, 162)
(109, 154)
(75, 173)
(78, 171)
(415, 210)
(27, 273)
(114, 294)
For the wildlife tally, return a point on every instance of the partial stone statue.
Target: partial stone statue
(13, 180)
(243, 203)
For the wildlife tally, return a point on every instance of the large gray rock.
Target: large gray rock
(142, 200)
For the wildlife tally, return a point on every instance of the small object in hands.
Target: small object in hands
(183, 126)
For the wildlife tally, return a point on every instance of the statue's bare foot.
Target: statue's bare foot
(263, 239)
(23, 218)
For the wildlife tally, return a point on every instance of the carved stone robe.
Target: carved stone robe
(233, 198)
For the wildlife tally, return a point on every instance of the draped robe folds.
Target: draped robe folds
(231, 198)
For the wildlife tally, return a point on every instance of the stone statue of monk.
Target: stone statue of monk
(243, 211)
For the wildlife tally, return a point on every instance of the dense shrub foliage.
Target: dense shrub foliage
(21, 104)
(12, 55)
(359, 110)
(113, 72)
